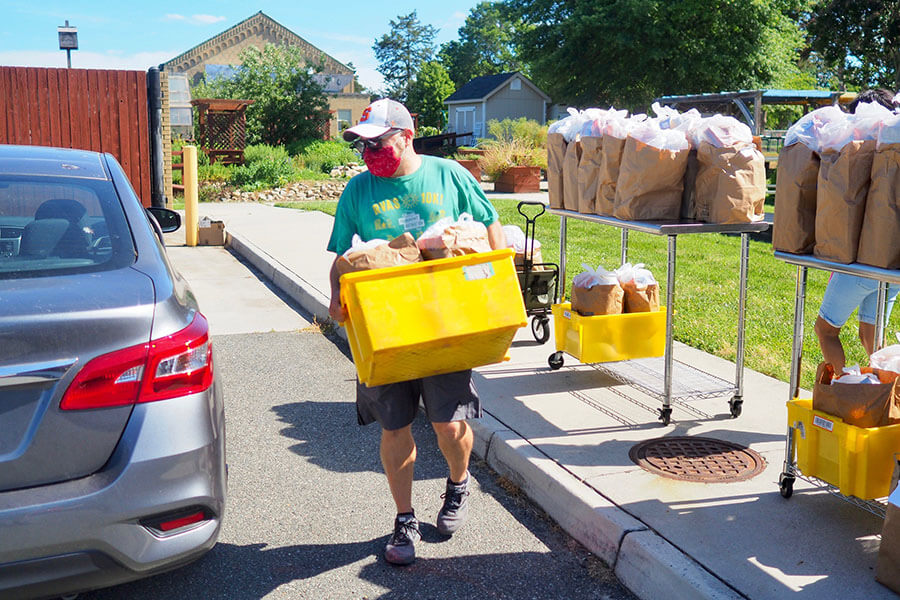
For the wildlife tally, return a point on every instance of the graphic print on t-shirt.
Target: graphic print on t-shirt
(409, 212)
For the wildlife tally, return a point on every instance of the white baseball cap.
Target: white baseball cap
(379, 117)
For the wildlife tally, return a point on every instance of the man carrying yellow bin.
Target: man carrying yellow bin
(406, 192)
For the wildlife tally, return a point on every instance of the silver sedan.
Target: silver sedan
(112, 442)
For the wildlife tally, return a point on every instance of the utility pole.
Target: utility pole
(68, 41)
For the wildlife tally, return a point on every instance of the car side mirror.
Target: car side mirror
(168, 219)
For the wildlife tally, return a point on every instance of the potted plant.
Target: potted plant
(514, 154)
(513, 165)
(470, 163)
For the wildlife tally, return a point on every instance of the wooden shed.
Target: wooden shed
(501, 96)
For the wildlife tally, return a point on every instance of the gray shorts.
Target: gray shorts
(450, 397)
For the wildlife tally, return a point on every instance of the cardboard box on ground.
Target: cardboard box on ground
(210, 233)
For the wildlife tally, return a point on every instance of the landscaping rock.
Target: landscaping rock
(301, 191)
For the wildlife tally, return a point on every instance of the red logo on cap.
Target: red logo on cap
(365, 115)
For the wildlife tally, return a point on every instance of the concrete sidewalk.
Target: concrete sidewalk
(564, 437)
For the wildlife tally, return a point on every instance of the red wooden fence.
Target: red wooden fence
(104, 111)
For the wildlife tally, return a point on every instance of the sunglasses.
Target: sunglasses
(373, 143)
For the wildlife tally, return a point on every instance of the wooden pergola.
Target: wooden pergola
(222, 128)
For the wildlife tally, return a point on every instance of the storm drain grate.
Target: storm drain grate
(700, 459)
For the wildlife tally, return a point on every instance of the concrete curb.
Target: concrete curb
(297, 288)
(644, 562)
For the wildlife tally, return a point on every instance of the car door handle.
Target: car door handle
(30, 373)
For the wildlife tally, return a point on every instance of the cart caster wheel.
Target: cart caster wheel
(540, 329)
(665, 415)
(735, 404)
(556, 360)
(786, 487)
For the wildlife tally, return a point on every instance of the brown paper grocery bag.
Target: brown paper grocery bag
(641, 299)
(570, 175)
(650, 183)
(688, 207)
(402, 250)
(857, 404)
(598, 300)
(731, 183)
(556, 153)
(455, 240)
(843, 185)
(795, 199)
(609, 174)
(589, 173)
(887, 569)
(879, 240)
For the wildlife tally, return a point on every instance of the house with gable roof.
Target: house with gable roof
(500, 96)
(216, 56)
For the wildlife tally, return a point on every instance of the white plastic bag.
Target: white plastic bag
(515, 239)
(637, 273)
(721, 132)
(650, 133)
(889, 132)
(886, 359)
(854, 375)
(356, 244)
(617, 124)
(591, 277)
(805, 129)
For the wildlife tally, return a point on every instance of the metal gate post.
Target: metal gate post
(154, 100)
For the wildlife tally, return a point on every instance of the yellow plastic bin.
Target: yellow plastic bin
(432, 317)
(859, 461)
(608, 338)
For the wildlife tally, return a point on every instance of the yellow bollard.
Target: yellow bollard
(189, 178)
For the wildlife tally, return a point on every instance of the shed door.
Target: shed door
(465, 122)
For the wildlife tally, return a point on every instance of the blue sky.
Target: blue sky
(140, 34)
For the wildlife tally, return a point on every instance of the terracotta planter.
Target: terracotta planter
(519, 179)
(471, 165)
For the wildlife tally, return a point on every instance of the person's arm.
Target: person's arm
(335, 310)
(496, 237)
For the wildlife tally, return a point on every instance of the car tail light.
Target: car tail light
(174, 365)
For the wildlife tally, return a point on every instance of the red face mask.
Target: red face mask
(383, 161)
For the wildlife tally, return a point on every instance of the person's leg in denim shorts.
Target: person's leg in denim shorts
(844, 294)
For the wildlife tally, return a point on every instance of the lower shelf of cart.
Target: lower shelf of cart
(648, 375)
(877, 507)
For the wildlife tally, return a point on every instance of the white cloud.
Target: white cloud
(194, 19)
(206, 19)
(140, 61)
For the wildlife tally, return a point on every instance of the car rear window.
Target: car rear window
(53, 226)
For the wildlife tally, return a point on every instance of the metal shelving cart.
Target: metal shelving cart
(657, 377)
(804, 262)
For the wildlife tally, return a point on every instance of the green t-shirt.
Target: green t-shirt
(385, 207)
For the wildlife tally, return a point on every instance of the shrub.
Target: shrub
(425, 131)
(214, 172)
(524, 130)
(264, 166)
(324, 155)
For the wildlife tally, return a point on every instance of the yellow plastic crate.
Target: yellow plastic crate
(608, 338)
(432, 317)
(857, 460)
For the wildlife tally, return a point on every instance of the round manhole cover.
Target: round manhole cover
(701, 459)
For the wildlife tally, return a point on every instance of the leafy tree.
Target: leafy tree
(626, 52)
(858, 41)
(288, 104)
(427, 94)
(486, 44)
(402, 52)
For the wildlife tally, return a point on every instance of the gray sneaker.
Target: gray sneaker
(401, 548)
(453, 513)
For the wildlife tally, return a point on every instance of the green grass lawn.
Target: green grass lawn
(707, 279)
